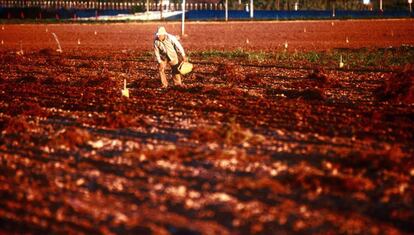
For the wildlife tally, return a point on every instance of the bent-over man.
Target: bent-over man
(168, 49)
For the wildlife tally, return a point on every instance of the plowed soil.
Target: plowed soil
(245, 147)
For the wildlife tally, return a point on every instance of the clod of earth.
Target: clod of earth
(399, 87)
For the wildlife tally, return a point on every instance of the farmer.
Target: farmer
(167, 50)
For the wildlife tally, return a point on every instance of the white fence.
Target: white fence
(107, 5)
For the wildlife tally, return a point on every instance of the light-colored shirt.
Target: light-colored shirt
(169, 47)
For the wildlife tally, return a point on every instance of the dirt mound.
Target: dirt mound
(398, 87)
(319, 75)
(312, 94)
(104, 81)
(230, 72)
(144, 83)
(32, 109)
(15, 125)
(47, 52)
(232, 134)
(252, 79)
(59, 79)
(26, 108)
(117, 120)
(27, 79)
(71, 136)
(305, 94)
(11, 58)
(16, 128)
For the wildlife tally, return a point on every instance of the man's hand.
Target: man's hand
(185, 59)
(162, 65)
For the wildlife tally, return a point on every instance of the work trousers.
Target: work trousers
(174, 70)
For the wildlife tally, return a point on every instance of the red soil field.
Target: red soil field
(266, 36)
(245, 147)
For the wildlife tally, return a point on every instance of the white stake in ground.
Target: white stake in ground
(125, 91)
(341, 63)
(21, 49)
(286, 45)
(47, 30)
(58, 43)
(347, 40)
(78, 41)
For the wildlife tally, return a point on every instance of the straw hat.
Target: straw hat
(161, 31)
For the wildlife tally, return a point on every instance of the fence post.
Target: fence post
(226, 8)
(251, 9)
(183, 19)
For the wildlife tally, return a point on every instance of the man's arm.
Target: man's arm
(178, 45)
(157, 52)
